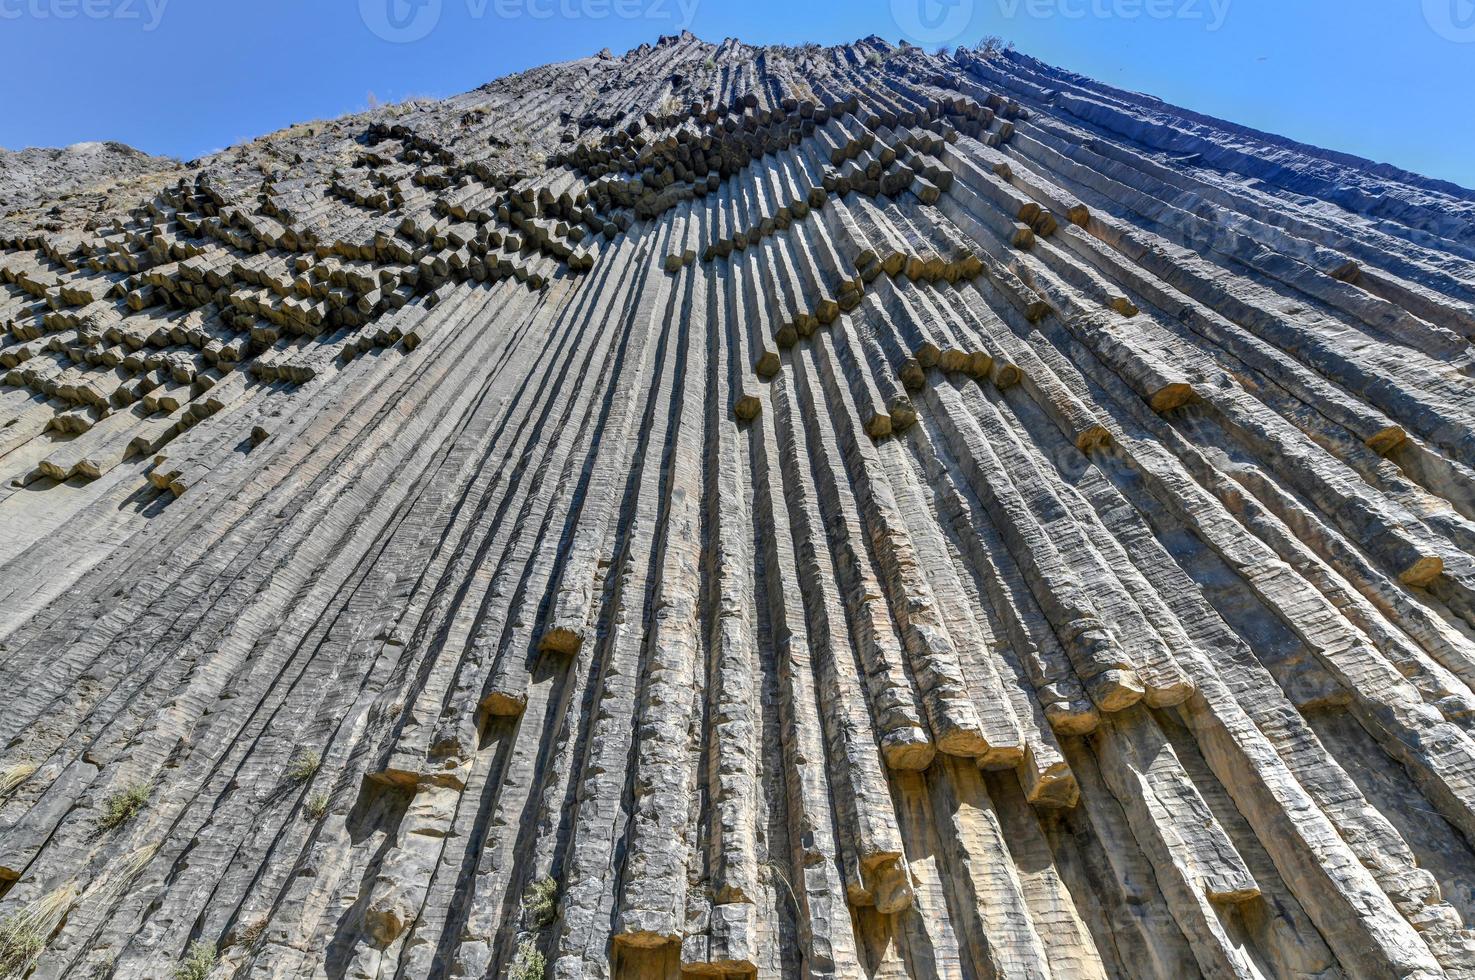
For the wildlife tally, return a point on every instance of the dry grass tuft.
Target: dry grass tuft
(316, 806)
(13, 775)
(304, 766)
(25, 933)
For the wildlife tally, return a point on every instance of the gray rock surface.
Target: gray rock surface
(71, 177)
(726, 512)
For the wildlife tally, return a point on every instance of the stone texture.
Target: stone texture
(722, 511)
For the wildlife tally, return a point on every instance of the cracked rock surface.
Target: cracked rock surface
(32, 181)
(733, 512)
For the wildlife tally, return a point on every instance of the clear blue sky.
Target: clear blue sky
(1392, 80)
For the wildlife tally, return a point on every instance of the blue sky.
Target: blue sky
(1387, 79)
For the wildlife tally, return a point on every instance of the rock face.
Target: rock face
(724, 511)
(70, 180)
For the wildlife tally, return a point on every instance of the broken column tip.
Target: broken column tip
(908, 751)
(1171, 396)
(1115, 690)
(561, 640)
(1422, 572)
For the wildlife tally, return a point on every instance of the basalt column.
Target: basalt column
(743, 512)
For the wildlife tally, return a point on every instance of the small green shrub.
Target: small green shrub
(540, 903)
(304, 767)
(197, 962)
(710, 64)
(123, 804)
(316, 806)
(529, 963)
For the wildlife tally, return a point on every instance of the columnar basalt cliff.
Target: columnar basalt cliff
(729, 511)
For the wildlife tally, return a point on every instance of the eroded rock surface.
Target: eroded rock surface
(723, 511)
(59, 187)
